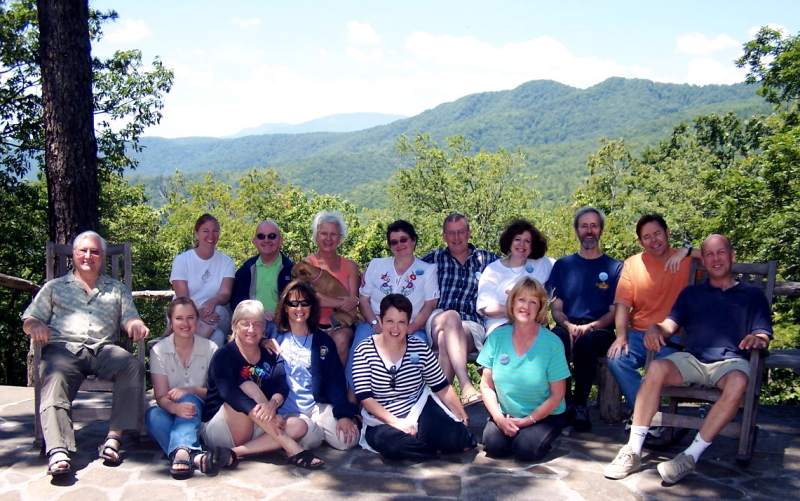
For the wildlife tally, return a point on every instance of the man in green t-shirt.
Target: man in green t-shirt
(263, 276)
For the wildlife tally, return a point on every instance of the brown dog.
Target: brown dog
(325, 283)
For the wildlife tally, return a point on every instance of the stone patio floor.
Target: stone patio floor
(573, 470)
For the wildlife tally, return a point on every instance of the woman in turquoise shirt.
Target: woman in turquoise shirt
(524, 379)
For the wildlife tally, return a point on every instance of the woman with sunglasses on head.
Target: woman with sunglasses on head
(246, 386)
(524, 379)
(178, 369)
(205, 275)
(317, 390)
(524, 247)
(329, 230)
(410, 411)
(403, 274)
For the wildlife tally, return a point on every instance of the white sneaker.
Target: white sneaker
(675, 469)
(624, 464)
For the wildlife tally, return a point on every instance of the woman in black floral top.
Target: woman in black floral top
(246, 386)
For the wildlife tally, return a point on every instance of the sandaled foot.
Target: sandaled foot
(181, 467)
(109, 451)
(211, 461)
(233, 462)
(307, 460)
(58, 463)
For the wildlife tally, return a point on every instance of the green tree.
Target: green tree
(488, 187)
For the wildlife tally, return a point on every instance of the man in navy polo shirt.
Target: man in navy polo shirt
(455, 327)
(582, 286)
(723, 319)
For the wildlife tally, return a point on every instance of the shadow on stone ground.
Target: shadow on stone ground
(573, 470)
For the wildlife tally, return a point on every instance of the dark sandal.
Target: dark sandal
(307, 460)
(181, 473)
(209, 462)
(59, 467)
(233, 462)
(109, 459)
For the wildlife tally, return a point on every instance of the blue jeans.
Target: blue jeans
(172, 432)
(625, 367)
(363, 332)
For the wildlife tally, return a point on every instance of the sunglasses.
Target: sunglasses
(393, 374)
(302, 303)
(268, 236)
(400, 240)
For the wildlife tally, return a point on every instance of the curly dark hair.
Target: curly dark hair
(308, 294)
(404, 226)
(518, 227)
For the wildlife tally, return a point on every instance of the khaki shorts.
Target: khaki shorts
(216, 433)
(322, 427)
(694, 371)
(476, 329)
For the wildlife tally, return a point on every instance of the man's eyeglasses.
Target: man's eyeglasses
(268, 236)
(393, 374)
(88, 251)
(302, 303)
(400, 240)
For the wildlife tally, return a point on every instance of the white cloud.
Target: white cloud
(362, 34)
(704, 70)
(246, 22)
(699, 44)
(127, 31)
(775, 26)
(366, 55)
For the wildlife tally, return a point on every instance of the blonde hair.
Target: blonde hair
(247, 308)
(533, 287)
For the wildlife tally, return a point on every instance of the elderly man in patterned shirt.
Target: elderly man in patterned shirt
(455, 327)
(77, 318)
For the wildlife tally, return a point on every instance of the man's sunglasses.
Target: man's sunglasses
(268, 236)
(294, 304)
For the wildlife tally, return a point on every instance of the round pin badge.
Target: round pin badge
(603, 276)
(529, 268)
(419, 272)
(414, 357)
(504, 359)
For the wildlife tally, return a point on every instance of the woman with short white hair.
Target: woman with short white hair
(246, 386)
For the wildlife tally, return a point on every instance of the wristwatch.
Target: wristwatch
(374, 322)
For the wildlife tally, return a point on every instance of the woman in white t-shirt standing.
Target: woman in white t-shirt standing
(524, 247)
(404, 274)
(206, 276)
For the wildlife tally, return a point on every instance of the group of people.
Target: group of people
(370, 359)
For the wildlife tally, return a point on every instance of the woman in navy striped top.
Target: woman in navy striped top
(393, 376)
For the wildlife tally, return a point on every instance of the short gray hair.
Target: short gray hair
(587, 210)
(453, 217)
(272, 222)
(90, 234)
(247, 308)
(325, 216)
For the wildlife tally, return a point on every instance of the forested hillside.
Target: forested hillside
(555, 125)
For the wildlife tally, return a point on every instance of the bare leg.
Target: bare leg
(733, 386)
(660, 373)
(455, 341)
(342, 337)
(274, 438)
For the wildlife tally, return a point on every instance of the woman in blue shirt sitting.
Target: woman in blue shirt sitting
(317, 390)
(524, 379)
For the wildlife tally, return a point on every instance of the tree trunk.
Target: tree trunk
(70, 145)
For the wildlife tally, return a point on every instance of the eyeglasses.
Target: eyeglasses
(255, 324)
(400, 240)
(456, 233)
(268, 236)
(302, 303)
(393, 374)
(88, 251)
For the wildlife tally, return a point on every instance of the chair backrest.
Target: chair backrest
(761, 275)
(117, 264)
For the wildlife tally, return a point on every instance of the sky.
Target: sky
(240, 63)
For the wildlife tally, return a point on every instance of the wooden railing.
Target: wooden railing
(21, 284)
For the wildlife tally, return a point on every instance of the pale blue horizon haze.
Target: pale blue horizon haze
(240, 64)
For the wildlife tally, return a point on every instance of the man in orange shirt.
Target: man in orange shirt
(647, 289)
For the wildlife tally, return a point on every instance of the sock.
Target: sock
(636, 440)
(697, 447)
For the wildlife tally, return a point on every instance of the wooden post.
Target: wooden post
(609, 396)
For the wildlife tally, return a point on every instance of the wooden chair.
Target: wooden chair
(59, 262)
(761, 275)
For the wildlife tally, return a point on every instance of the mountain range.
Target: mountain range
(555, 125)
(342, 122)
